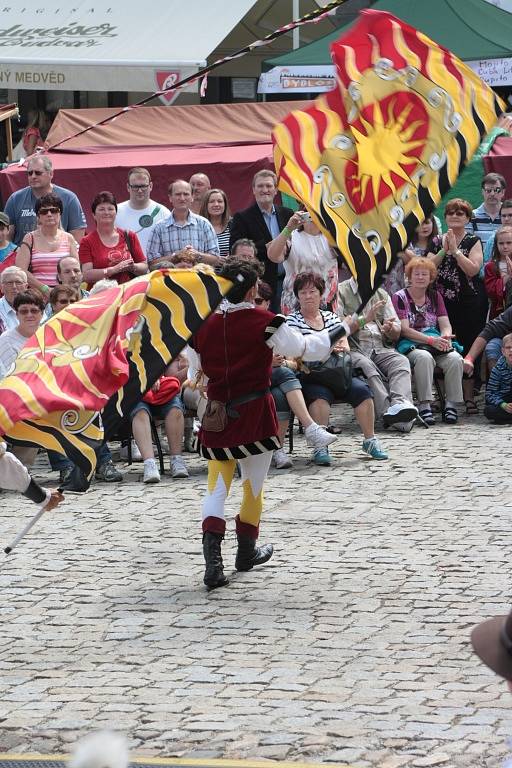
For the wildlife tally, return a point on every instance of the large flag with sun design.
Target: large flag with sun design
(372, 158)
(103, 352)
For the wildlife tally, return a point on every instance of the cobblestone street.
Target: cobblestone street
(350, 645)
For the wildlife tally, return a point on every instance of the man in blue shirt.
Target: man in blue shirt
(20, 205)
(184, 237)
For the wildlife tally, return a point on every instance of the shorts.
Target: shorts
(159, 412)
(283, 380)
(357, 394)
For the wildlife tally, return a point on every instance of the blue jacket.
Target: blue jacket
(499, 386)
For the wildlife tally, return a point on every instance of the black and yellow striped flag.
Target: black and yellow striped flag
(103, 352)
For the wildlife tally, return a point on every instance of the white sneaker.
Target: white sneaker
(151, 473)
(400, 412)
(318, 437)
(281, 459)
(178, 467)
(136, 454)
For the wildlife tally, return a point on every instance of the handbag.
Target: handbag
(335, 373)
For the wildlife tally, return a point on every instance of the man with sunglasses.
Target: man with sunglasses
(140, 213)
(20, 206)
(486, 218)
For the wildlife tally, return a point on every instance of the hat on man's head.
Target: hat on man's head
(4, 219)
(492, 642)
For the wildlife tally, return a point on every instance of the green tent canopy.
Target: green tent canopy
(471, 29)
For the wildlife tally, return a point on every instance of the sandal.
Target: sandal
(471, 407)
(450, 415)
(427, 416)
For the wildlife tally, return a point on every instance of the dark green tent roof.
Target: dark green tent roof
(471, 29)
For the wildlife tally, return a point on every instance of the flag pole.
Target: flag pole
(33, 520)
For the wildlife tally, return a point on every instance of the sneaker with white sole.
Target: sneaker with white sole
(374, 449)
(136, 454)
(318, 437)
(178, 467)
(151, 473)
(281, 459)
(321, 457)
(399, 412)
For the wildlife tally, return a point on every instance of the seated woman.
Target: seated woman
(60, 297)
(498, 270)
(287, 393)
(308, 319)
(425, 322)
(162, 402)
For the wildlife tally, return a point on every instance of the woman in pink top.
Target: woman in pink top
(41, 250)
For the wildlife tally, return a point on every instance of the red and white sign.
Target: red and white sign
(167, 80)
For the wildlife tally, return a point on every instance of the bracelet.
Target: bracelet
(430, 340)
(362, 321)
(105, 272)
(286, 231)
(503, 405)
(45, 288)
(469, 359)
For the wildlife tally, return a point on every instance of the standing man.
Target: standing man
(13, 280)
(200, 185)
(20, 205)
(263, 222)
(140, 214)
(486, 218)
(184, 237)
(234, 349)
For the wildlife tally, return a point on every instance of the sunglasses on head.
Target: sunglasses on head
(35, 173)
(44, 211)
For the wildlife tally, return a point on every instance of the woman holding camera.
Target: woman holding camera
(301, 247)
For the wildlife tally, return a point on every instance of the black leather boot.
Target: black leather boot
(248, 554)
(214, 573)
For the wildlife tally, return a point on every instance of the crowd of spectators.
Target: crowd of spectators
(445, 302)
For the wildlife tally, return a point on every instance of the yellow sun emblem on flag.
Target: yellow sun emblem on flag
(388, 140)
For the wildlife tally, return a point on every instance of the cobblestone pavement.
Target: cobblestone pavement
(350, 645)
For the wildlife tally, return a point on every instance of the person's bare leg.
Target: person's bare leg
(282, 429)
(174, 428)
(297, 403)
(365, 416)
(141, 429)
(319, 411)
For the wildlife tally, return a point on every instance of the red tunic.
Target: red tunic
(237, 361)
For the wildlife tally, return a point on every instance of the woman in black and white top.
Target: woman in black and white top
(215, 208)
(309, 319)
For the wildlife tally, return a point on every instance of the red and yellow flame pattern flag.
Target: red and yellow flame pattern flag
(372, 158)
(103, 352)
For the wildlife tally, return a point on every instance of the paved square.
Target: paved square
(351, 644)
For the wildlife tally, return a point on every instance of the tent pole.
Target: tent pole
(8, 133)
(296, 30)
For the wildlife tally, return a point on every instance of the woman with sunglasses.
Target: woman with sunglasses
(459, 262)
(40, 251)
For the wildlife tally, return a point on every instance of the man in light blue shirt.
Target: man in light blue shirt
(13, 280)
(183, 238)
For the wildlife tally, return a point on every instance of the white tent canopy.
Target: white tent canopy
(121, 45)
